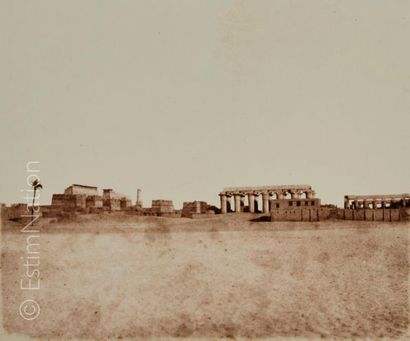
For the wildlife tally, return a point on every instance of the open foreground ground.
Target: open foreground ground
(125, 276)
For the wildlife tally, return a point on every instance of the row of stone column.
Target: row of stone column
(239, 200)
(355, 204)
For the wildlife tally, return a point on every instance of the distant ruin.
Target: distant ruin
(274, 203)
(391, 207)
(298, 203)
(197, 209)
(267, 192)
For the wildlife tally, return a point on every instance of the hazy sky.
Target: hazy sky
(183, 98)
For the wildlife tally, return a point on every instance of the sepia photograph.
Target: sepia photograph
(204, 170)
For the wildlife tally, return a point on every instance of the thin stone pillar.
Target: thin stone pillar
(242, 202)
(251, 201)
(229, 204)
(237, 202)
(346, 203)
(256, 203)
(265, 197)
(224, 208)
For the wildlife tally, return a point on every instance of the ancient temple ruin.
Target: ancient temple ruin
(299, 203)
(78, 199)
(246, 198)
(377, 201)
(197, 209)
(113, 201)
(275, 203)
(75, 199)
(162, 207)
(385, 207)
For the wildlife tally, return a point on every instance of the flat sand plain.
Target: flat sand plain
(119, 276)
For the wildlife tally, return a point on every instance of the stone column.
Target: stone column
(138, 203)
(346, 203)
(256, 203)
(237, 202)
(223, 203)
(251, 201)
(242, 196)
(265, 197)
(374, 204)
(280, 195)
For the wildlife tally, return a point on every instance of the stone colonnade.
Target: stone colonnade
(376, 201)
(251, 194)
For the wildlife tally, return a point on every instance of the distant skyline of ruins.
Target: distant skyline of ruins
(294, 202)
(137, 196)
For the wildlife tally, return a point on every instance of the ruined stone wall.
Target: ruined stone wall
(16, 211)
(113, 201)
(302, 214)
(162, 206)
(49, 211)
(110, 194)
(195, 207)
(77, 189)
(94, 201)
(112, 204)
(386, 214)
(293, 203)
(69, 201)
(125, 203)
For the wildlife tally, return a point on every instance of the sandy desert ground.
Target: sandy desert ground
(125, 276)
